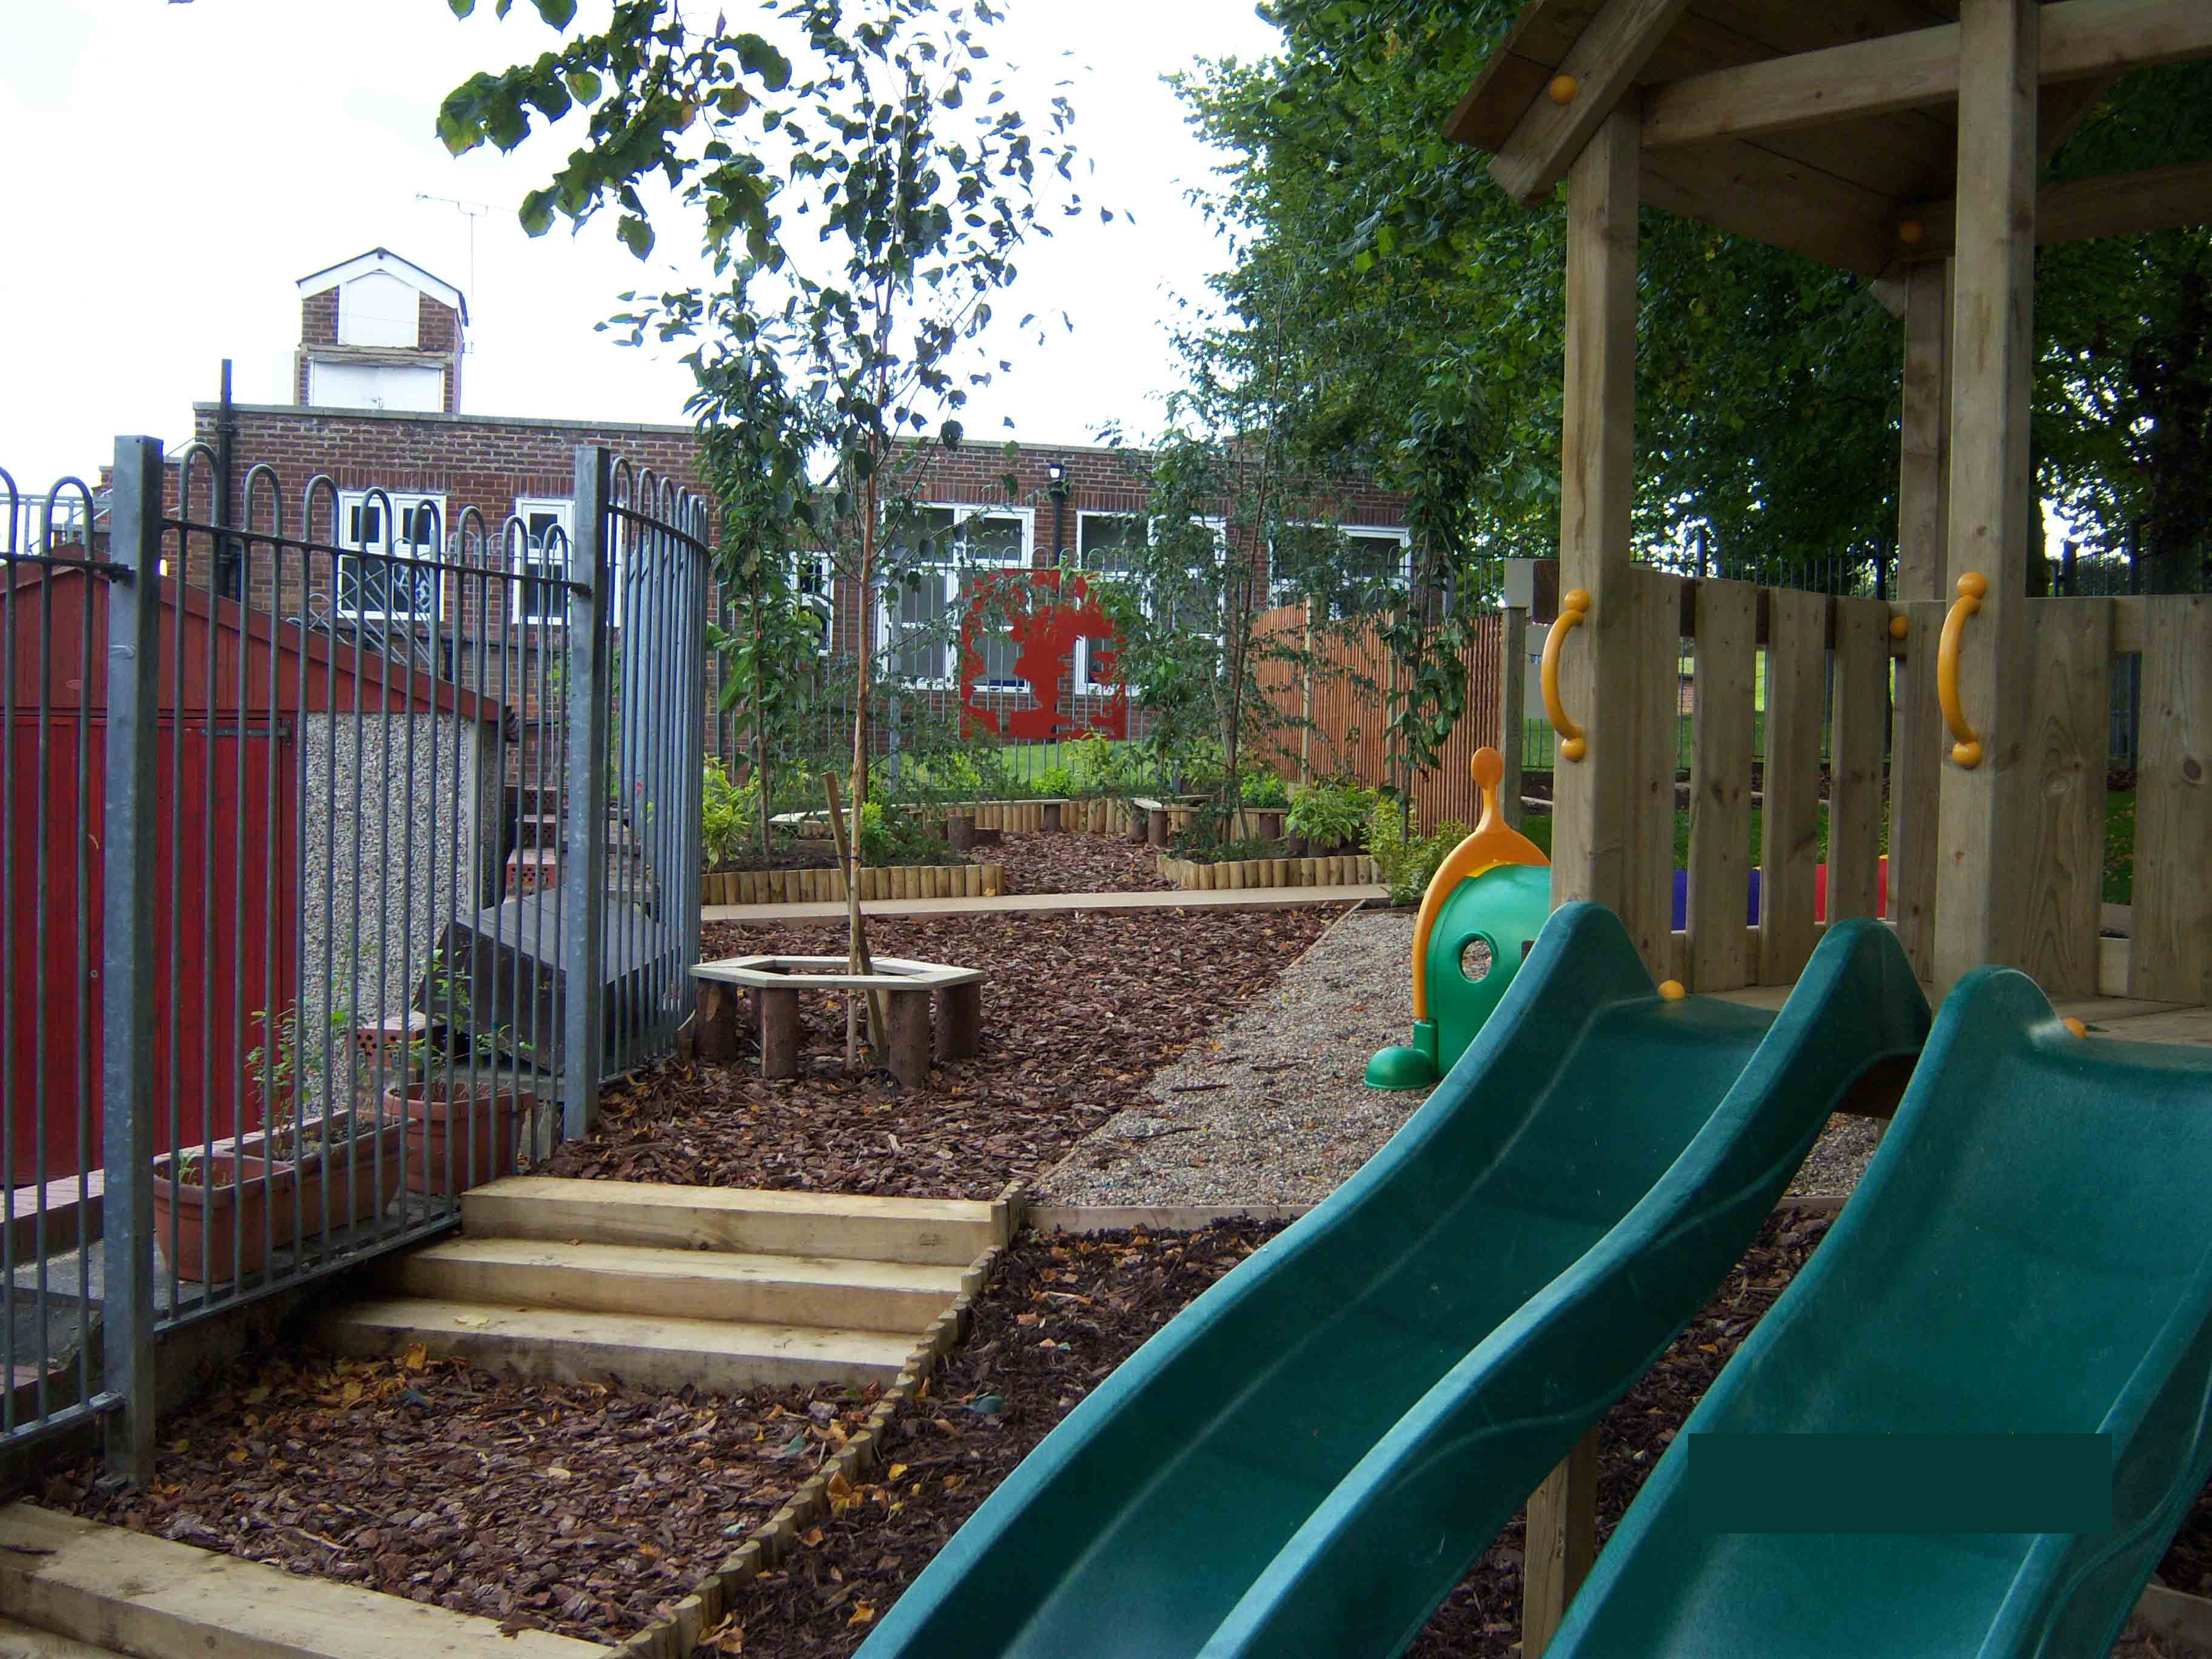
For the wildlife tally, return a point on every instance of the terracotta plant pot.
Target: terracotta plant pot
(253, 1204)
(460, 1135)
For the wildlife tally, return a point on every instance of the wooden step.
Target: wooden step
(21, 1642)
(137, 1595)
(717, 1285)
(598, 1348)
(942, 1232)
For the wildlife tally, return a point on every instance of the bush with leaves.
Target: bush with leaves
(890, 834)
(1407, 860)
(729, 817)
(1331, 814)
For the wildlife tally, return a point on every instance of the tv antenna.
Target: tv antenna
(471, 211)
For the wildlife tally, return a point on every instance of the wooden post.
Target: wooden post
(1156, 826)
(1984, 812)
(959, 1020)
(960, 832)
(779, 1039)
(1924, 471)
(1720, 788)
(717, 1033)
(1590, 823)
(1052, 817)
(1512, 698)
(1560, 1546)
(909, 1044)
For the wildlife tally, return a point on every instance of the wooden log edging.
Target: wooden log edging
(896, 881)
(687, 1622)
(1341, 870)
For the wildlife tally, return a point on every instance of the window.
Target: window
(381, 583)
(541, 560)
(1345, 569)
(813, 582)
(1106, 544)
(919, 615)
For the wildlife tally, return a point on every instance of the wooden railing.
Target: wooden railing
(1865, 671)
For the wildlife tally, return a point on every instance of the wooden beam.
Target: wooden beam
(1597, 460)
(2060, 885)
(1604, 64)
(1983, 811)
(1560, 1545)
(2116, 204)
(2079, 38)
(1923, 475)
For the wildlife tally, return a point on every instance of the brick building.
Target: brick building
(378, 385)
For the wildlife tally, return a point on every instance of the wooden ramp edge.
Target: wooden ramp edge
(131, 1594)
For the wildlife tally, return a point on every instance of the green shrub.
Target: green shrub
(891, 834)
(1407, 862)
(1056, 783)
(1265, 788)
(1330, 814)
(729, 817)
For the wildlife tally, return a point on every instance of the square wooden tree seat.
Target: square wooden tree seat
(773, 984)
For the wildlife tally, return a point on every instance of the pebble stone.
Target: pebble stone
(1273, 1108)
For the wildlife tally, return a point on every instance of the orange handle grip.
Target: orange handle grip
(1966, 748)
(1574, 608)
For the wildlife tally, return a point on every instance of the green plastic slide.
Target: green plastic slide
(1315, 1449)
(2030, 1253)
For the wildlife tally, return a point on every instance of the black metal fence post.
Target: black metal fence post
(127, 952)
(583, 856)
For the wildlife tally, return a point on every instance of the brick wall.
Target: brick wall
(483, 465)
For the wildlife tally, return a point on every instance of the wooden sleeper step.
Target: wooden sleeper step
(942, 1232)
(130, 1593)
(714, 1285)
(654, 1353)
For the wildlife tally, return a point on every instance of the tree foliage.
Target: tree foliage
(1426, 307)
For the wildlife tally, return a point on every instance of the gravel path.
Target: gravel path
(1273, 1109)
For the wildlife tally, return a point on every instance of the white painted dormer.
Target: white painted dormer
(379, 332)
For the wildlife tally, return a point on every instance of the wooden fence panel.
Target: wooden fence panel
(2170, 959)
(1721, 957)
(1349, 704)
(1918, 743)
(1796, 683)
(1648, 875)
(2063, 883)
(1857, 735)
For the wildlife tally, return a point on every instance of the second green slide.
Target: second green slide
(1310, 1456)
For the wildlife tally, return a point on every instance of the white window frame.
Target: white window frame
(822, 595)
(1087, 680)
(957, 575)
(1279, 593)
(347, 537)
(530, 569)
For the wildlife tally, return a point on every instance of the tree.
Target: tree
(921, 181)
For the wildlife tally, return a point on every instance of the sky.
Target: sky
(174, 169)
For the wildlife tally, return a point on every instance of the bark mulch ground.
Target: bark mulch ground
(572, 1508)
(1078, 1011)
(1038, 1349)
(1074, 863)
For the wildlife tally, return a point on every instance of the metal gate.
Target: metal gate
(347, 851)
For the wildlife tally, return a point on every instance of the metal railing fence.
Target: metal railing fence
(333, 864)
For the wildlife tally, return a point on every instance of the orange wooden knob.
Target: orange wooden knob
(1564, 87)
(1672, 990)
(1900, 627)
(2074, 1026)
(1911, 231)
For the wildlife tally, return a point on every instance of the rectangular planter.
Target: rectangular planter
(222, 1230)
(456, 1140)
